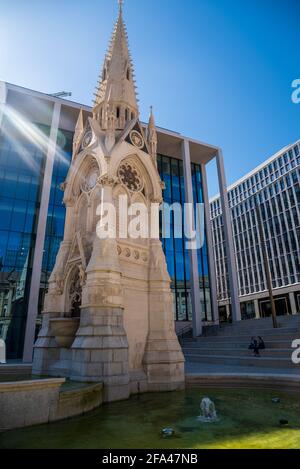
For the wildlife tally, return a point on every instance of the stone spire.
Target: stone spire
(79, 128)
(152, 136)
(117, 90)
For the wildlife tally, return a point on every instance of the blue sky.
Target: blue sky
(216, 70)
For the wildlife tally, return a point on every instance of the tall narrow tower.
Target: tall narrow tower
(108, 312)
(116, 91)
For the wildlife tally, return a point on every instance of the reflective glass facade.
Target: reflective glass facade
(171, 171)
(21, 168)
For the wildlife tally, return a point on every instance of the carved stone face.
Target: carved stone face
(130, 177)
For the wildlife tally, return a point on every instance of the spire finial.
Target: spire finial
(121, 3)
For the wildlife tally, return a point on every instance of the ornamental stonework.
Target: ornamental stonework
(130, 177)
(90, 179)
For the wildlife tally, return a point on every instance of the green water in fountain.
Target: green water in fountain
(248, 419)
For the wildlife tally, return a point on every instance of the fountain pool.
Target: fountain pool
(247, 419)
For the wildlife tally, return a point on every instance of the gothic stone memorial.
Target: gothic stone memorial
(108, 312)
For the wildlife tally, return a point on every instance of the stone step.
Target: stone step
(261, 332)
(247, 337)
(265, 327)
(236, 360)
(275, 352)
(208, 345)
(15, 372)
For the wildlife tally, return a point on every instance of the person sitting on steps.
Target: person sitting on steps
(254, 345)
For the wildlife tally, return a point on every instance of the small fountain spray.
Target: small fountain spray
(208, 409)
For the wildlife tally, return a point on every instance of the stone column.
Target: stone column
(229, 244)
(227, 310)
(293, 303)
(163, 359)
(193, 253)
(209, 242)
(40, 239)
(256, 308)
(100, 349)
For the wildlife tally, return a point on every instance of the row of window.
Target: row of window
(261, 179)
(279, 206)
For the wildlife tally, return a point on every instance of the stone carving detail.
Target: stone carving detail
(127, 252)
(137, 139)
(144, 257)
(75, 293)
(107, 180)
(135, 254)
(87, 139)
(130, 177)
(91, 179)
(82, 276)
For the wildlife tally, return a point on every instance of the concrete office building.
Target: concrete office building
(275, 188)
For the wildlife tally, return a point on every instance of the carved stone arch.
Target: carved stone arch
(139, 197)
(83, 176)
(73, 291)
(120, 190)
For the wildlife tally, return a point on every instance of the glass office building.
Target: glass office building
(178, 261)
(274, 188)
(29, 240)
(21, 167)
(56, 211)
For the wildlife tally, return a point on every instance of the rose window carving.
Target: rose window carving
(130, 177)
